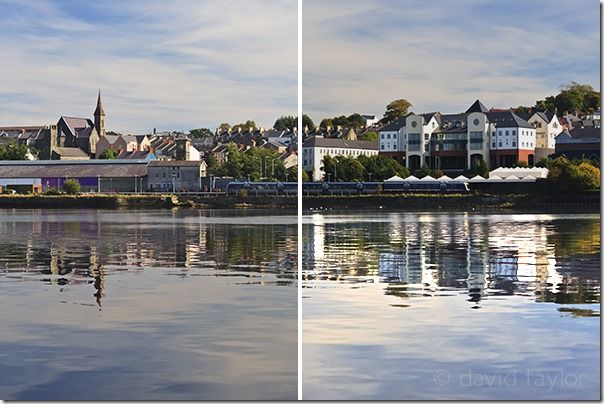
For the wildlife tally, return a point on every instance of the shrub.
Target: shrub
(52, 191)
(71, 186)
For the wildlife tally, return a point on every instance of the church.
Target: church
(72, 138)
(78, 136)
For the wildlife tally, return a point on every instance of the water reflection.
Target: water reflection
(148, 305)
(68, 249)
(451, 306)
(550, 259)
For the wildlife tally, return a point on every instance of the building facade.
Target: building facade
(315, 148)
(176, 175)
(458, 141)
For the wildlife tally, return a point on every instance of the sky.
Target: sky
(170, 65)
(358, 55)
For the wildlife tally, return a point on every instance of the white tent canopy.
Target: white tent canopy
(396, 178)
(428, 178)
(461, 178)
(445, 178)
(477, 178)
(411, 178)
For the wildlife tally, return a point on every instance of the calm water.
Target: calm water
(159, 305)
(459, 306)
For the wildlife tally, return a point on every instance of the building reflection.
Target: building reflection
(489, 255)
(88, 251)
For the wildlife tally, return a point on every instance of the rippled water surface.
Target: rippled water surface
(161, 305)
(458, 306)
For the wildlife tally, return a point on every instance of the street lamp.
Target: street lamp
(369, 176)
(98, 183)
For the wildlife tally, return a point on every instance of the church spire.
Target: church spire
(99, 116)
(99, 106)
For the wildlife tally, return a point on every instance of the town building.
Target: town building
(176, 175)
(579, 143)
(315, 148)
(92, 175)
(458, 141)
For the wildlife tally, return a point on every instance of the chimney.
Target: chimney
(155, 131)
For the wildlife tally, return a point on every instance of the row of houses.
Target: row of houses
(76, 138)
(456, 142)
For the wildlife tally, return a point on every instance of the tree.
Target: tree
(425, 171)
(326, 122)
(71, 186)
(288, 122)
(307, 122)
(395, 110)
(370, 135)
(247, 126)
(223, 127)
(305, 176)
(200, 133)
(356, 121)
(566, 177)
(108, 154)
(547, 104)
(13, 151)
(480, 167)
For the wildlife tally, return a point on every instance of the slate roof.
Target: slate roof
(176, 163)
(507, 119)
(72, 168)
(71, 152)
(588, 132)
(340, 143)
(477, 107)
(395, 125)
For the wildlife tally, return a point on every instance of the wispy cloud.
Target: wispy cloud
(442, 55)
(164, 64)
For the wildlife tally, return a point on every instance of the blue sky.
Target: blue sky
(359, 55)
(163, 64)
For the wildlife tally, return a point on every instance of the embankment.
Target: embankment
(113, 201)
(459, 202)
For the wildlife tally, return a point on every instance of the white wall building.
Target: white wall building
(315, 148)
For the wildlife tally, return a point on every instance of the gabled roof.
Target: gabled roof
(477, 107)
(507, 119)
(395, 125)
(72, 152)
(588, 132)
(340, 143)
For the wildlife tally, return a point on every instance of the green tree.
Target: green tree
(395, 110)
(285, 122)
(200, 133)
(108, 154)
(247, 126)
(566, 177)
(326, 122)
(71, 186)
(369, 135)
(356, 121)
(305, 176)
(13, 151)
(425, 171)
(223, 127)
(307, 122)
(480, 167)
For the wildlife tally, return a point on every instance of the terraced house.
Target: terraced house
(501, 138)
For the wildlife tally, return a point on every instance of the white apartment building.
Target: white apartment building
(315, 148)
(455, 141)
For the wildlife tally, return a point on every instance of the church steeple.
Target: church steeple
(99, 116)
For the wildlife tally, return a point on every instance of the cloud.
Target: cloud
(163, 64)
(360, 55)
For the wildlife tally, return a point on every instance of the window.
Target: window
(513, 144)
(382, 146)
(388, 136)
(394, 136)
(493, 144)
(514, 133)
(499, 144)
(507, 132)
(382, 135)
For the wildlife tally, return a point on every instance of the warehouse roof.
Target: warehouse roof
(72, 169)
